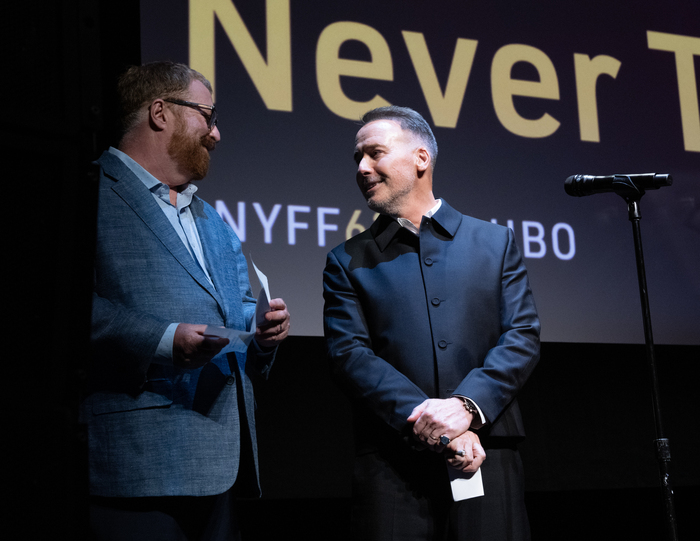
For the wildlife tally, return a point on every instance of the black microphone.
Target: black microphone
(580, 185)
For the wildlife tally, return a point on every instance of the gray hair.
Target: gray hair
(409, 120)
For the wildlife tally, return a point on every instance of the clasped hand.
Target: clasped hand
(465, 452)
(436, 417)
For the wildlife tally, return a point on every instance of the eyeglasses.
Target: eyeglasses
(211, 117)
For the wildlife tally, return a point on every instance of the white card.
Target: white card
(263, 305)
(238, 340)
(465, 485)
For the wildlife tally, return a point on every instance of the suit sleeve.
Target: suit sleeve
(508, 364)
(362, 374)
(124, 341)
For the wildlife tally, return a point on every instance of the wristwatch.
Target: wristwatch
(469, 406)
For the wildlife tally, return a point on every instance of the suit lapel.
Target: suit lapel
(140, 200)
(223, 268)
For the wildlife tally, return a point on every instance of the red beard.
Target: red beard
(191, 153)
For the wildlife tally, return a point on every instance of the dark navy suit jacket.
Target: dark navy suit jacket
(154, 429)
(450, 312)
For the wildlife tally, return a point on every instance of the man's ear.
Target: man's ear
(159, 115)
(423, 159)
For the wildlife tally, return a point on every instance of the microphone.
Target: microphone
(580, 185)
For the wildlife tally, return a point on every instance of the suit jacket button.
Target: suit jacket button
(230, 380)
(435, 302)
(442, 344)
(428, 261)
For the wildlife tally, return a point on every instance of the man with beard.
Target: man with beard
(170, 410)
(431, 330)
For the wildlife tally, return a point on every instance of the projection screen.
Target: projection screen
(520, 95)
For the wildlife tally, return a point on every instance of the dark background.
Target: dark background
(589, 457)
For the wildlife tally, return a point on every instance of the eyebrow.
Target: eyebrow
(365, 148)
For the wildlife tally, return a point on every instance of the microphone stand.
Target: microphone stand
(632, 194)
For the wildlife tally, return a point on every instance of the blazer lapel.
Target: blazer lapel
(223, 269)
(140, 200)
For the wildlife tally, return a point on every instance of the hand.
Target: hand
(277, 327)
(474, 454)
(191, 349)
(435, 417)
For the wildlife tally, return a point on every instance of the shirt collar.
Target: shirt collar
(408, 224)
(443, 216)
(154, 185)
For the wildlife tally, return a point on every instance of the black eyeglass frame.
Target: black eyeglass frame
(211, 118)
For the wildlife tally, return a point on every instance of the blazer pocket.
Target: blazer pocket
(103, 403)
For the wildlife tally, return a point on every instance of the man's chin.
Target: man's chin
(199, 175)
(376, 207)
(200, 171)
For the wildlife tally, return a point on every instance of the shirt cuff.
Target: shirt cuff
(477, 422)
(164, 351)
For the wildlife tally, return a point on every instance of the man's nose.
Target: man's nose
(363, 167)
